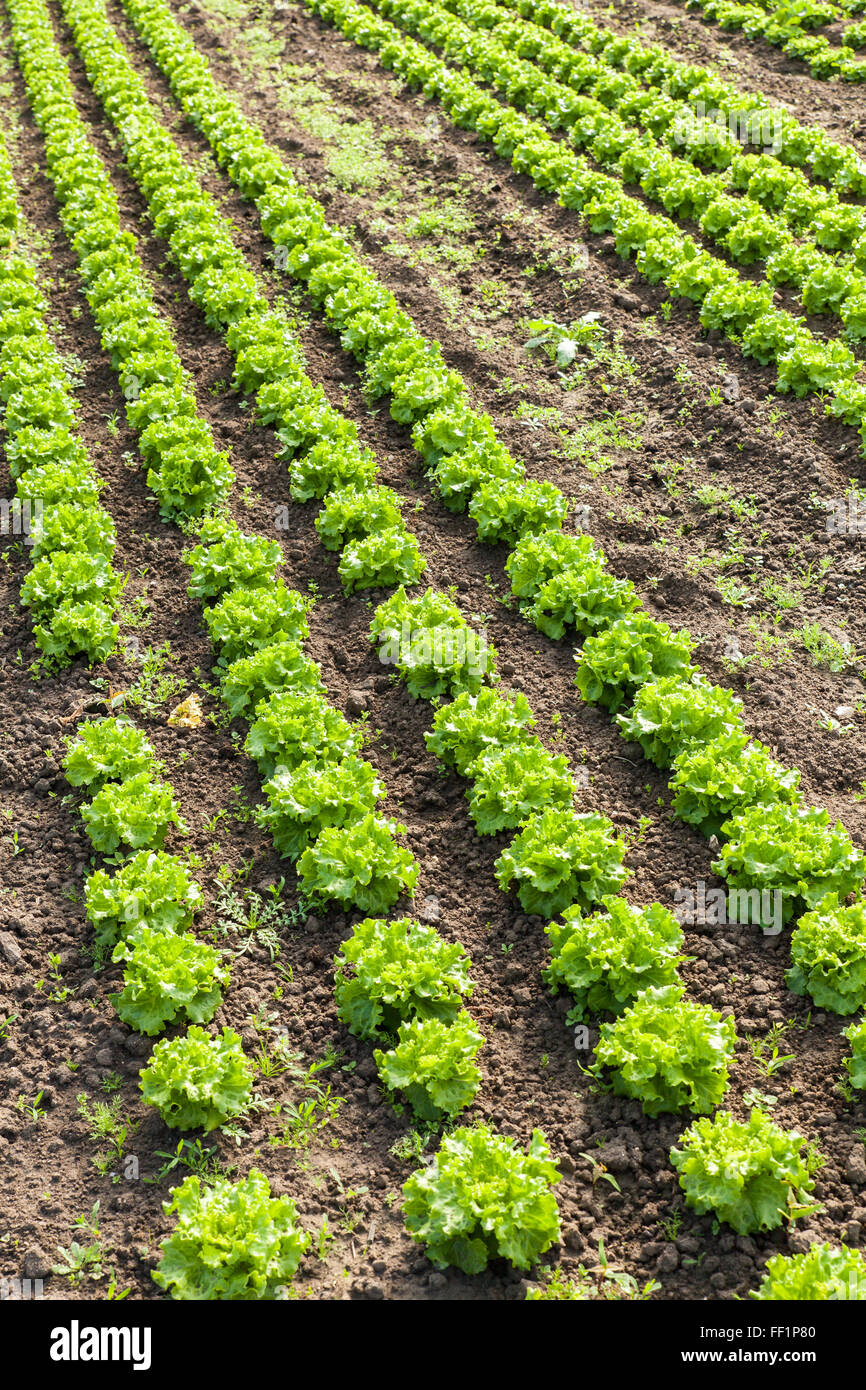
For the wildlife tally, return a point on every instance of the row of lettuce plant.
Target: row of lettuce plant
(436, 651)
(661, 1049)
(318, 794)
(625, 75)
(165, 401)
(790, 27)
(431, 637)
(186, 472)
(398, 983)
(705, 90)
(559, 857)
(609, 68)
(750, 227)
(72, 588)
(328, 462)
(560, 579)
(712, 788)
(765, 774)
(143, 914)
(664, 1052)
(398, 360)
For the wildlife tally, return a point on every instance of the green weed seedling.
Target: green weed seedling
(106, 1125)
(79, 1261)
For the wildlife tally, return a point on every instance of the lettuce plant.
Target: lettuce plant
(536, 559)
(382, 560)
(168, 977)
(405, 354)
(713, 780)
(421, 389)
(751, 1174)
(822, 1273)
(516, 782)
(771, 336)
(307, 799)
(828, 954)
(310, 424)
(87, 628)
(245, 620)
(675, 713)
(58, 482)
(106, 750)
(151, 889)
(480, 463)
(796, 851)
(156, 400)
(136, 813)
(291, 728)
(350, 514)
(76, 579)
(825, 288)
(32, 447)
(605, 959)
(733, 307)
(814, 366)
(432, 646)
(360, 865)
(474, 725)
(481, 1199)
(615, 662)
(231, 1241)
(450, 429)
(70, 527)
(390, 972)
(434, 1066)
(559, 858)
(230, 560)
(197, 1081)
(279, 666)
(667, 1052)
(328, 465)
(505, 511)
(856, 1063)
(191, 479)
(586, 599)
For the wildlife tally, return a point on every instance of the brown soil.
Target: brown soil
(530, 1073)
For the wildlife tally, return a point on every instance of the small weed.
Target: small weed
(193, 1155)
(79, 1261)
(107, 1126)
(31, 1108)
(826, 650)
(599, 1172)
(409, 1147)
(254, 919)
